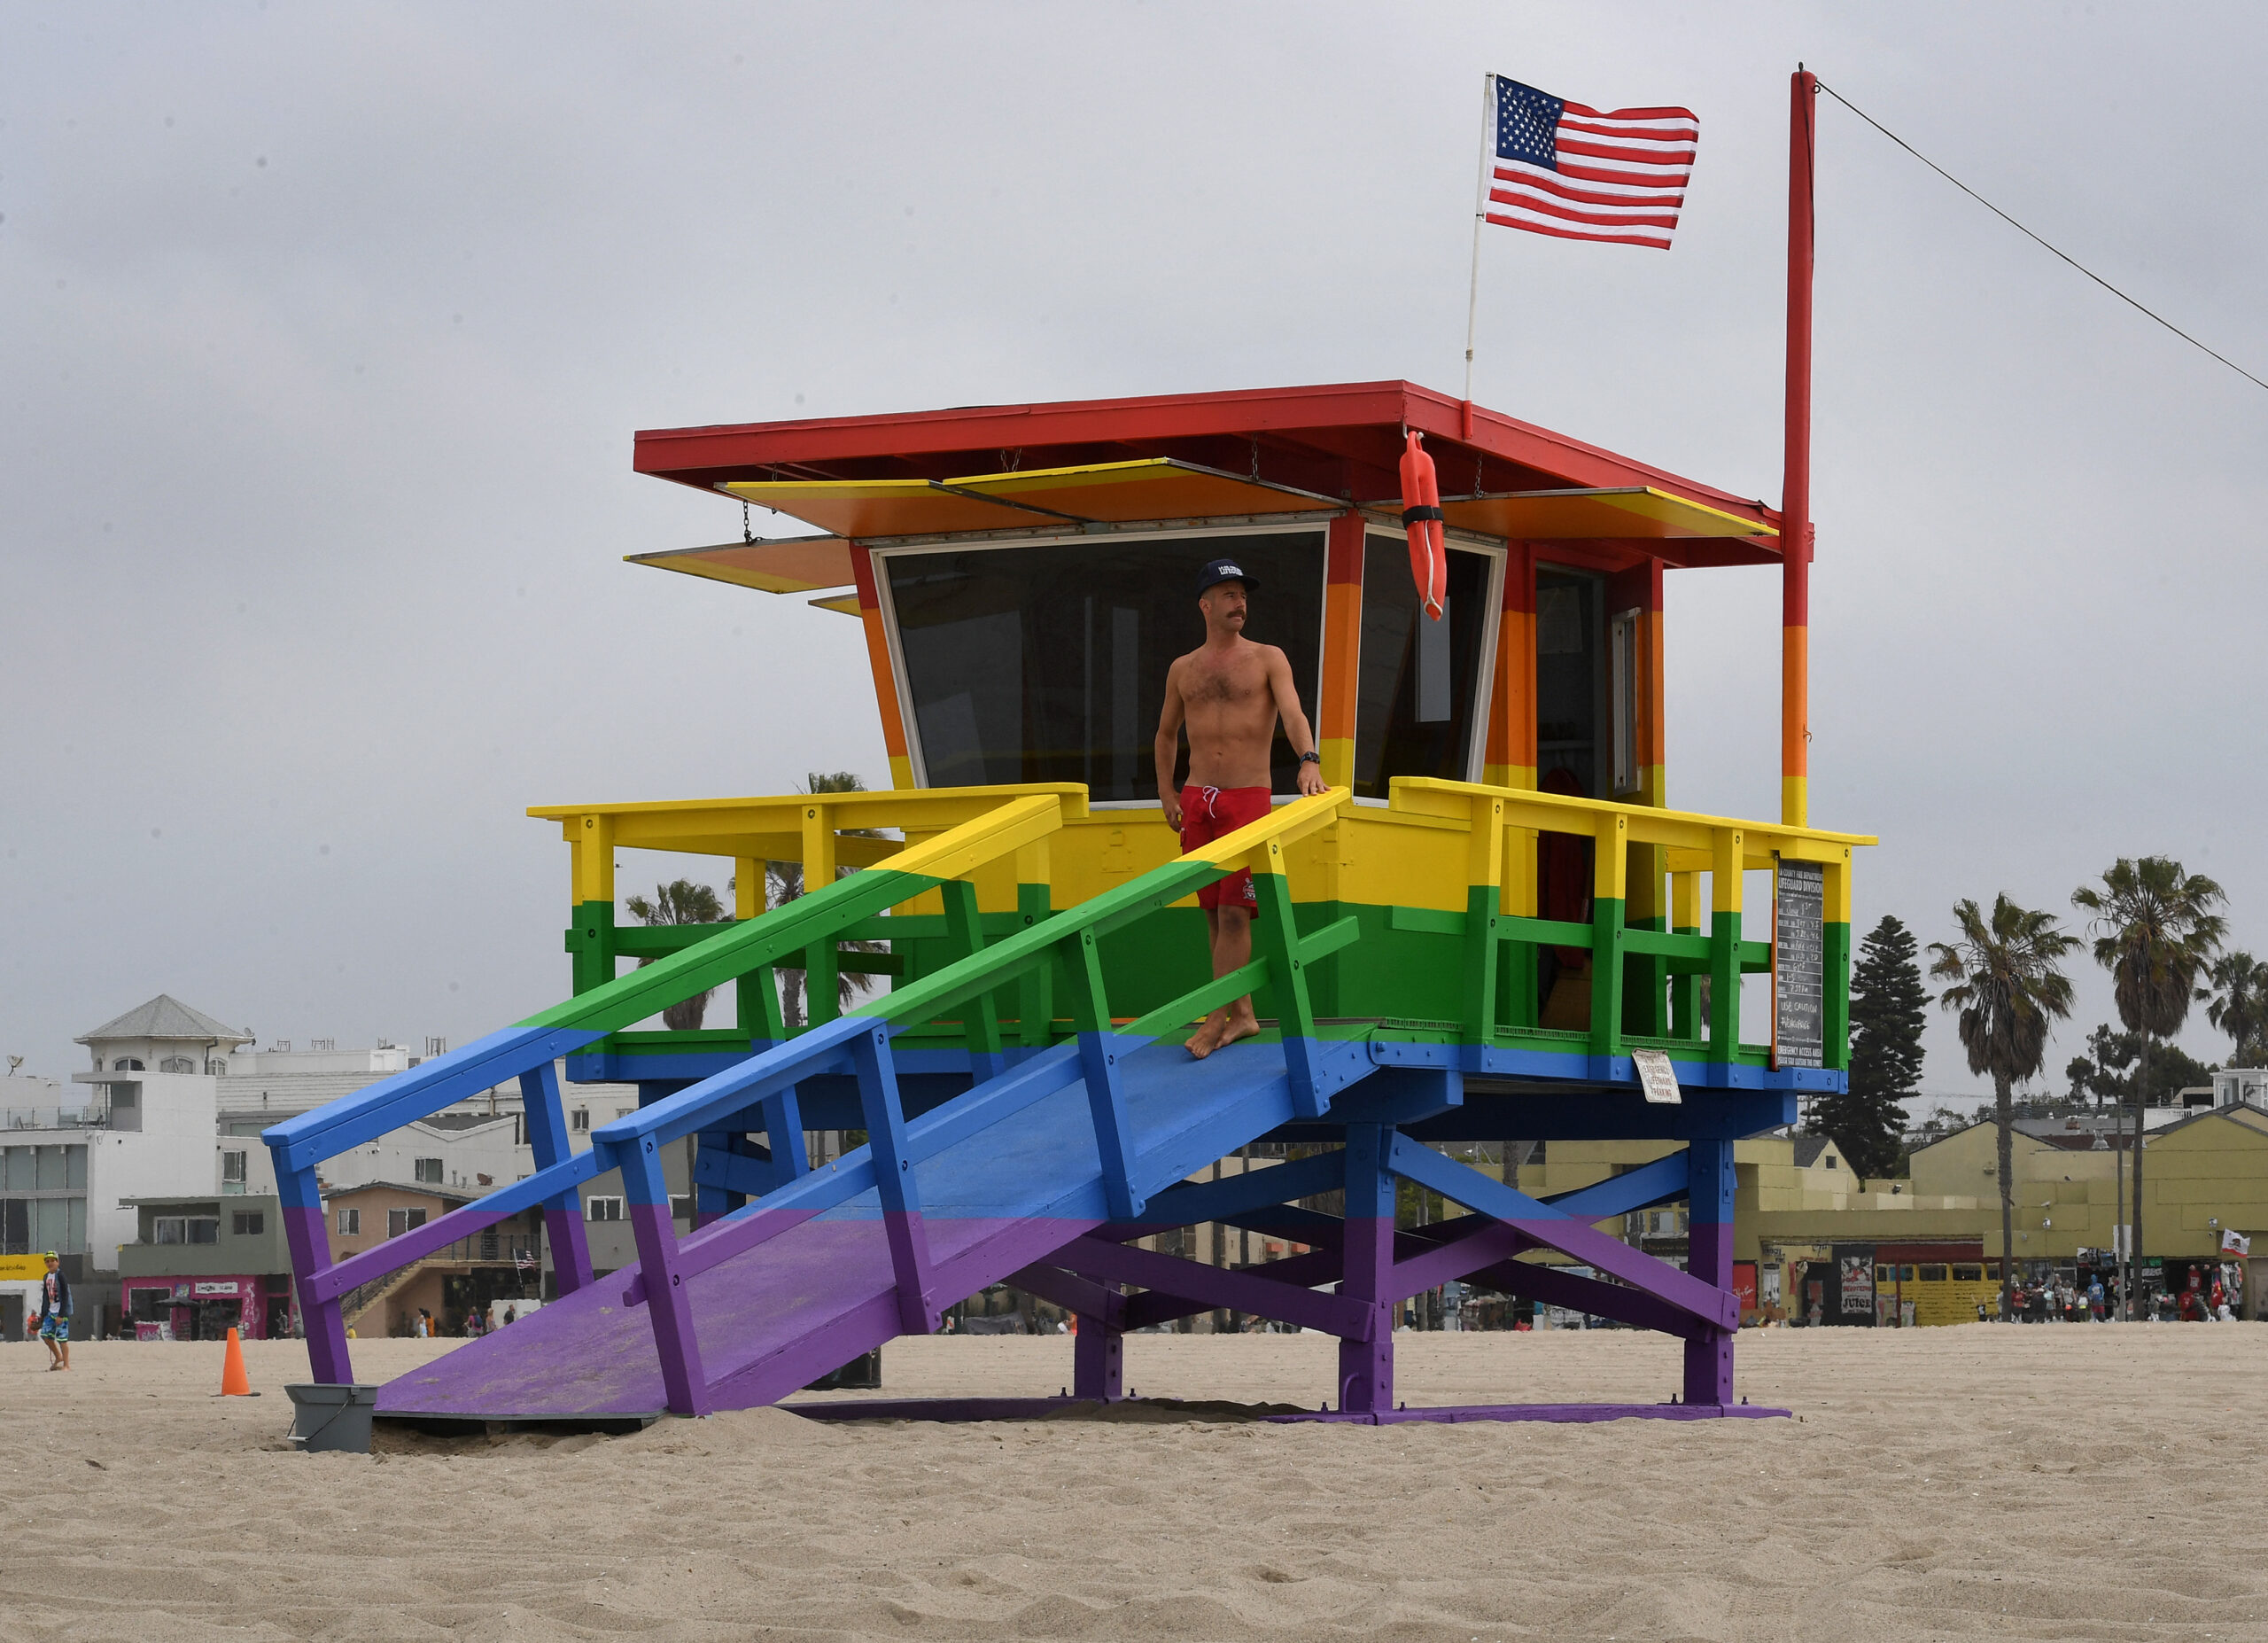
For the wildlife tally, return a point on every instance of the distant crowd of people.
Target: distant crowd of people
(2209, 1296)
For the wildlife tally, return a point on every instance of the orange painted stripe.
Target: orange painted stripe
(1342, 631)
(870, 616)
(1511, 711)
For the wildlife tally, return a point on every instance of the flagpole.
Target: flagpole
(1479, 217)
(1795, 486)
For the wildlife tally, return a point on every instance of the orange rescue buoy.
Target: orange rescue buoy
(1421, 517)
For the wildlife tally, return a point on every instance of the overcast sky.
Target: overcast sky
(324, 330)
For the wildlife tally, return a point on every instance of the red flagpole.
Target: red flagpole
(1795, 489)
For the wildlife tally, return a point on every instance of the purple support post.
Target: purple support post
(1366, 1368)
(308, 1240)
(894, 1184)
(563, 1216)
(1711, 1185)
(669, 1306)
(1099, 1354)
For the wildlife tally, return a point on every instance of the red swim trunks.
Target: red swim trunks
(1211, 812)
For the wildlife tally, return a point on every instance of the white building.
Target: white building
(2232, 1084)
(173, 1104)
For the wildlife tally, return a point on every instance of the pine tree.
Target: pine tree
(1888, 1011)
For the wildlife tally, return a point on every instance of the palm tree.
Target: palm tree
(2240, 1006)
(2008, 983)
(680, 901)
(784, 882)
(2155, 929)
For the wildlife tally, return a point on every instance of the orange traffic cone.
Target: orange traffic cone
(234, 1382)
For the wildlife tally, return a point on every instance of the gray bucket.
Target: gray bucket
(332, 1417)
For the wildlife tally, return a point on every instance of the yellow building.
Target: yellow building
(1926, 1250)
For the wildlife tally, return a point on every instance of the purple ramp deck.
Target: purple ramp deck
(776, 1317)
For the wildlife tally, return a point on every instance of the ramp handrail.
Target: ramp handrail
(527, 1051)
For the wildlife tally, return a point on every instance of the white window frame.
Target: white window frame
(350, 1223)
(233, 1166)
(1624, 632)
(1499, 556)
(418, 1167)
(579, 1121)
(603, 1209)
(909, 721)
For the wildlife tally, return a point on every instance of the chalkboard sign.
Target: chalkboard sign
(1799, 966)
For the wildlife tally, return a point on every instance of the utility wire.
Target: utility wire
(2035, 238)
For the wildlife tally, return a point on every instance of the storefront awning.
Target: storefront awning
(791, 564)
(1110, 493)
(1624, 513)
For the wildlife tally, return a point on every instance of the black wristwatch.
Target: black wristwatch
(1310, 758)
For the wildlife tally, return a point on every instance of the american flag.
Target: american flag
(1571, 171)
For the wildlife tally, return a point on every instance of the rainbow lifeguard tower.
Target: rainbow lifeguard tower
(1491, 927)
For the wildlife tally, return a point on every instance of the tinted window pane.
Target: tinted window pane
(1570, 682)
(1048, 663)
(1420, 678)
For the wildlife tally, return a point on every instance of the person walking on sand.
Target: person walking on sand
(1229, 693)
(55, 1313)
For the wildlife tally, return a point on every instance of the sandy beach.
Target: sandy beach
(2010, 1482)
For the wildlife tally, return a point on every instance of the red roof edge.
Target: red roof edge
(699, 455)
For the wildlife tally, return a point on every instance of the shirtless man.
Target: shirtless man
(1229, 693)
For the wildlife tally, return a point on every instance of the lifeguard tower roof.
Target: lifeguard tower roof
(1163, 456)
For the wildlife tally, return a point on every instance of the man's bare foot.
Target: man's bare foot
(1207, 1038)
(1241, 1026)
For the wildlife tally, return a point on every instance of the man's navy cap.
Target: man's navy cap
(1219, 570)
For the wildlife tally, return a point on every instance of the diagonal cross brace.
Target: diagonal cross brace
(1551, 1226)
(1219, 1286)
(1641, 1188)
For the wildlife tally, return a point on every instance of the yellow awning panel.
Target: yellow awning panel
(1634, 511)
(793, 565)
(874, 508)
(1154, 488)
(1110, 493)
(846, 602)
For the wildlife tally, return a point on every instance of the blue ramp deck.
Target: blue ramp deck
(771, 1318)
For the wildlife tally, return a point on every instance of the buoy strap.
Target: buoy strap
(1413, 515)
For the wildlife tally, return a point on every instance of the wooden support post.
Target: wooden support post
(1366, 1368)
(590, 934)
(965, 934)
(1099, 1049)
(1342, 648)
(1484, 866)
(822, 959)
(668, 1304)
(1099, 1354)
(1710, 1183)
(1610, 885)
(1685, 990)
(1276, 938)
(1726, 863)
(545, 1115)
(308, 1239)
(1035, 988)
(894, 1182)
(1520, 981)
